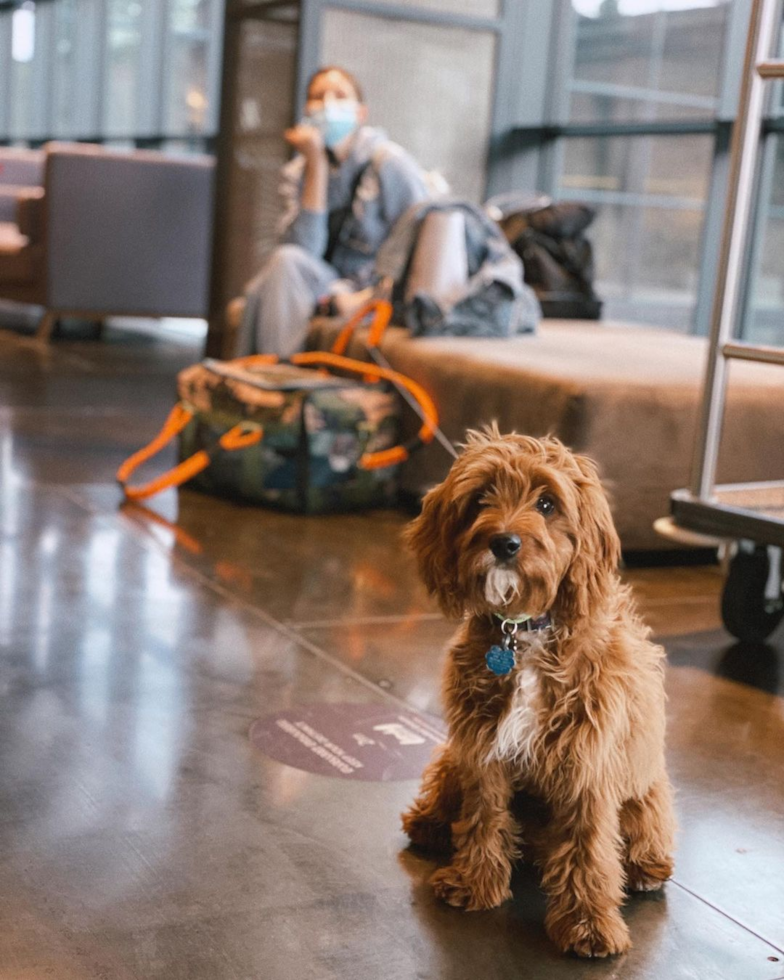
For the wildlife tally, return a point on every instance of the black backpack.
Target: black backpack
(557, 257)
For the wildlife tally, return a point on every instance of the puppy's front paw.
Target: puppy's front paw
(589, 935)
(426, 832)
(455, 888)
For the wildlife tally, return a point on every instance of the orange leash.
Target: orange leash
(382, 314)
(397, 454)
(178, 418)
(238, 437)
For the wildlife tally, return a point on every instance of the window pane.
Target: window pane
(647, 59)
(765, 323)
(123, 49)
(65, 94)
(23, 24)
(5, 69)
(777, 93)
(649, 192)
(186, 109)
(430, 87)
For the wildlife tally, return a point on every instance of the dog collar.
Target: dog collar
(502, 659)
(529, 624)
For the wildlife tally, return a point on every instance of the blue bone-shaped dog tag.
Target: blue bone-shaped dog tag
(500, 660)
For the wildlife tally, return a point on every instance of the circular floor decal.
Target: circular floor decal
(351, 741)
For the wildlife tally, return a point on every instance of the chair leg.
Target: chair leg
(46, 325)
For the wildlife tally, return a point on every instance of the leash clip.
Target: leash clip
(509, 628)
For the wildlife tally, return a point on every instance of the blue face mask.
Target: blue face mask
(336, 120)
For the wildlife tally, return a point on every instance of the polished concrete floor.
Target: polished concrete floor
(143, 835)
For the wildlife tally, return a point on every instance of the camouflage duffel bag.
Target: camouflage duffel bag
(316, 433)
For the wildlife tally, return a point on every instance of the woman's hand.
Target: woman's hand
(306, 140)
(346, 304)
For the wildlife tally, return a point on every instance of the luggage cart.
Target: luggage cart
(748, 518)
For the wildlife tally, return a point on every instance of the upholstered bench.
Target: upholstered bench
(626, 395)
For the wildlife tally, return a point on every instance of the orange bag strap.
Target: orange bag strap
(239, 437)
(397, 454)
(382, 314)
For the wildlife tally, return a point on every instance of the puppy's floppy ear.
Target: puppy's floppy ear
(597, 548)
(431, 537)
(602, 538)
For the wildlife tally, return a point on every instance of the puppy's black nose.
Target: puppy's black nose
(505, 546)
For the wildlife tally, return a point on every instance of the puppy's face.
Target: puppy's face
(519, 526)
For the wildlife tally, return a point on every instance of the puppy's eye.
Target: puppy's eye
(476, 502)
(545, 505)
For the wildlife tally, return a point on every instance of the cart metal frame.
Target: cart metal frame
(703, 502)
(752, 514)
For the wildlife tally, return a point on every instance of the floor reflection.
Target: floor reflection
(759, 665)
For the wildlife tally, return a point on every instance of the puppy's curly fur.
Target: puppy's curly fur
(578, 724)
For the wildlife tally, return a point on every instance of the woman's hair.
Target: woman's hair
(341, 71)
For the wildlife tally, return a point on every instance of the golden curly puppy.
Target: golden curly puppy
(552, 690)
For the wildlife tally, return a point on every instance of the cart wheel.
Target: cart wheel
(745, 610)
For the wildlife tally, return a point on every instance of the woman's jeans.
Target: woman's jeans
(280, 302)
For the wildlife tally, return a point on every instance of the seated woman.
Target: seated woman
(343, 192)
